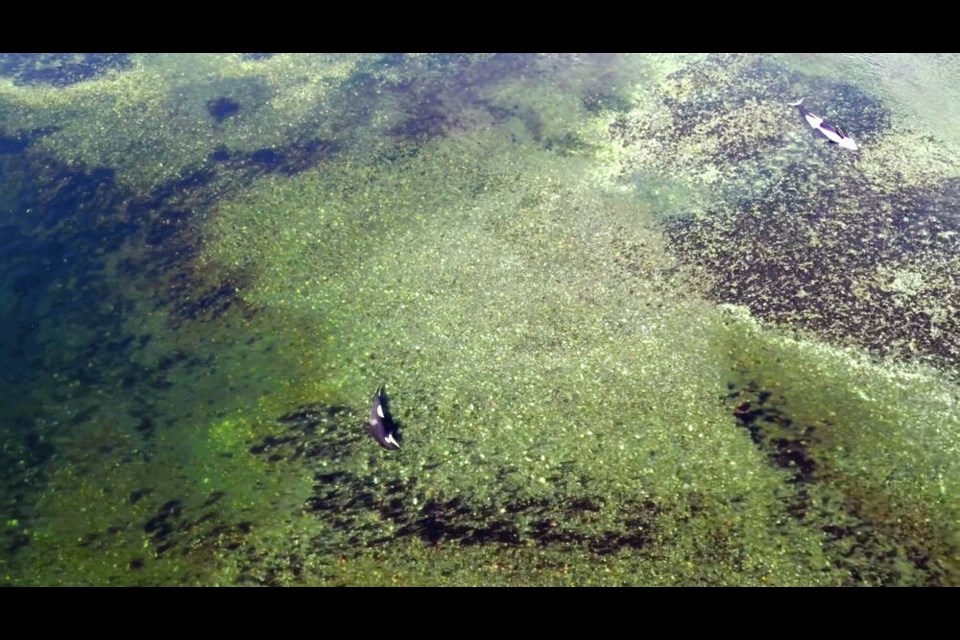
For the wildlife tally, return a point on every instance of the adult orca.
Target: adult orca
(831, 132)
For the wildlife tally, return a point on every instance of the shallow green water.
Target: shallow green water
(638, 324)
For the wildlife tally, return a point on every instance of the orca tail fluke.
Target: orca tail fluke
(797, 103)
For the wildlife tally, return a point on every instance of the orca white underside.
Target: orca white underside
(824, 128)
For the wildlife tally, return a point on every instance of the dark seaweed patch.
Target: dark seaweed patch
(269, 157)
(13, 144)
(145, 424)
(313, 431)
(804, 243)
(170, 509)
(213, 498)
(596, 101)
(220, 154)
(703, 101)
(566, 144)
(170, 528)
(458, 521)
(433, 102)
(164, 226)
(100, 540)
(40, 451)
(310, 414)
(291, 160)
(17, 540)
(211, 303)
(138, 494)
(422, 126)
(82, 416)
(256, 57)
(302, 156)
(222, 108)
(872, 542)
(786, 257)
(60, 69)
(345, 499)
(788, 445)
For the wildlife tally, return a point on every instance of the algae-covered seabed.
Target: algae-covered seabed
(639, 325)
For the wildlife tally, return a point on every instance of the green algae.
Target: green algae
(572, 399)
(635, 410)
(161, 105)
(787, 226)
(870, 429)
(524, 347)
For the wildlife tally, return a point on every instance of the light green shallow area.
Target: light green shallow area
(559, 370)
(151, 124)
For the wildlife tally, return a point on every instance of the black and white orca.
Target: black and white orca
(382, 426)
(831, 132)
